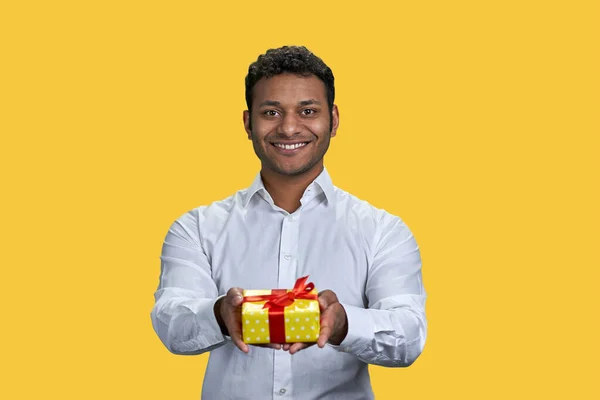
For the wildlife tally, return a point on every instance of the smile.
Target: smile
(290, 146)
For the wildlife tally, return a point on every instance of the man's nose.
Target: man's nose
(289, 125)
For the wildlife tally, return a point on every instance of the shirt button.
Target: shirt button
(290, 217)
(287, 256)
(282, 391)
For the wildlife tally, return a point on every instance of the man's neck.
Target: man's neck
(286, 191)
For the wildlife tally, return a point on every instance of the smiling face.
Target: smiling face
(291, 123)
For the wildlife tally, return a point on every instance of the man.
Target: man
(292, 222)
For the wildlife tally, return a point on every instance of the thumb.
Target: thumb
(235, 296)
(326, 298)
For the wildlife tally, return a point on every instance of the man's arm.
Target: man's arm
(183, 315)
(391, 332)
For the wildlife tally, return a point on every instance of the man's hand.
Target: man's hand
(334, 323)
(228, 311)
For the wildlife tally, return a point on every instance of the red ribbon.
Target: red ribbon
(276, 303)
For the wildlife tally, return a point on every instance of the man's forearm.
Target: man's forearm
(391, 338)
(187, 325)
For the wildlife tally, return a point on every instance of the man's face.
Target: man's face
(291, 125)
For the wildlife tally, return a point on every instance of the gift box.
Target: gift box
(281, 315)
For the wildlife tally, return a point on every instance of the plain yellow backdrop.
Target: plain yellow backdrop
(475, 121)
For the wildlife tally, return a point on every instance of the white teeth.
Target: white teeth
(290, 146)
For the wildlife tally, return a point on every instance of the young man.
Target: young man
(292, 222)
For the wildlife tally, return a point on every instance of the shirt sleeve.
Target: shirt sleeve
(183, 314)
(392, 330)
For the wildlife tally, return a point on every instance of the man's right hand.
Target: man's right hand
(228, 311)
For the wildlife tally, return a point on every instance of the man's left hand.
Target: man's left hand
(334, 323)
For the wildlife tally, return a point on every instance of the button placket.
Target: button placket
(287, 250)
(288, 246)
(282, 377)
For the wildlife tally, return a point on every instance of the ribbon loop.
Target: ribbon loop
(301, 290)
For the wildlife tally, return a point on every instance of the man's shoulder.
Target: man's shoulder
(212, 213)
(376, 225)
(356, 207)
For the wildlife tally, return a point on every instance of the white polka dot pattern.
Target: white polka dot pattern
(255, 320)
(300, 314)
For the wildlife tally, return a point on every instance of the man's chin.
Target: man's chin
(293, 171)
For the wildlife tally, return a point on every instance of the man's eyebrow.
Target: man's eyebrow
(308, 102)
(269, 103)
(300, 103)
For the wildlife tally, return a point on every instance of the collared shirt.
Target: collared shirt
(367, 256)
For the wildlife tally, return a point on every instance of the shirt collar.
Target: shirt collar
(323, 181)
(256, 186)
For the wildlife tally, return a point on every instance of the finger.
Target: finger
(236, 337)
(324, 336)
(286, 346)
(296, 347)
(234, 295)
(233, 324)
(326, 298)
(327, 322)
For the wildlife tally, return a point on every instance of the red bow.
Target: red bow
(283, 298)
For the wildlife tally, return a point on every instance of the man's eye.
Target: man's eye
(308, 111)
(271, 113)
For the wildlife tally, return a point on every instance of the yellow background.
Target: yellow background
(475, 121)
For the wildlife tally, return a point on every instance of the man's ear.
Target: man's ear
(247, 127)
(335, 120)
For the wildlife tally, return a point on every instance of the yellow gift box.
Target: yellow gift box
(280, 315)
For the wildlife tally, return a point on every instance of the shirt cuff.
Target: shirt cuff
(207, 332)
(360, 330)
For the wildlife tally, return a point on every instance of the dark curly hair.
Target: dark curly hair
(293, 59)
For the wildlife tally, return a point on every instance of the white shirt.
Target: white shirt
(367, 256)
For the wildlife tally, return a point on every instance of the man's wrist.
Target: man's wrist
(361, 328)
(342, 332)
(219, 317)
